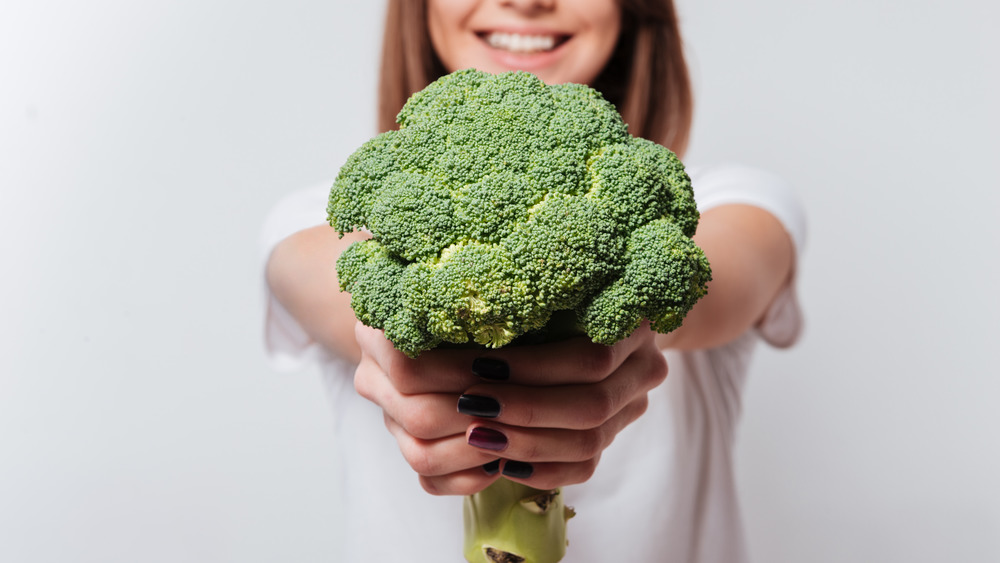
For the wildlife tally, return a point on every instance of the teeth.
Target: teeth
(516, 43)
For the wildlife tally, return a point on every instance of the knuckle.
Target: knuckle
(599, 362)
(418, 458)
(640, 405)
(592, 443)
(409, 425)
(526, 416)
(400, 375)
(658, 368)
(586, 469)
(363, 384)
(419, 423)
(532, 451)
(579, 472)
(603, 405)
(430, 486)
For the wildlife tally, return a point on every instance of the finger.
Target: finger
(437, 457)
(427, 416)
(574, 407)
(575, 360)
(547, 476)
(550, 444)
(466, 482)
(434, 371)
(544, 476)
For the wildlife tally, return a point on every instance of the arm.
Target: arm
(752, 257)
(302, 275)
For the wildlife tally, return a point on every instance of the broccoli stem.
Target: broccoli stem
(508, 522)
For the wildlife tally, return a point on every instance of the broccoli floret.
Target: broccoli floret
(502, 200)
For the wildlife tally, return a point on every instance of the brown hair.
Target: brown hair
(647, 77)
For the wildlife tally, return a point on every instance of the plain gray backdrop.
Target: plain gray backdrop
(142, 143)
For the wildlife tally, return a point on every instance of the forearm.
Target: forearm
(301, 273)
(752, 258)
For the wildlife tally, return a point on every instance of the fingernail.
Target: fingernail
(492, 468)
(487, 438)
(478, 405)
(518, 469)
(491, 368)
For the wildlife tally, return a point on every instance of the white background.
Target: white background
(141, 144)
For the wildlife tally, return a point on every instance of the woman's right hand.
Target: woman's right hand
(537, 414)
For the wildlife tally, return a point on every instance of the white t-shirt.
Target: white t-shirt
(663, 491)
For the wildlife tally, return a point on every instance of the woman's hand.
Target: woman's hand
(538, 414)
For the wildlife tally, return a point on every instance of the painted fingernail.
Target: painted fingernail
(518, 469)
(478, 405)
(492, 468)
(491, 368)
(487, 438)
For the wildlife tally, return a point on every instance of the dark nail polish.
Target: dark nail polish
(487, 438)
(477, 405)
(518, 469)
(492, 468)
(491, 368)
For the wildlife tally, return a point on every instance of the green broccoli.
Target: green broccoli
(500, 208)
(502, 200)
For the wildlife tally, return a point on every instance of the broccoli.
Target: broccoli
(506, 209)
(502, 200)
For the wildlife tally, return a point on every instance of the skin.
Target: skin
(585, 30)
(565, 402)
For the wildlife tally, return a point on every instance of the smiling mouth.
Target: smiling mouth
(523, 44)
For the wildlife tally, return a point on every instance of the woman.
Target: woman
(649, 463)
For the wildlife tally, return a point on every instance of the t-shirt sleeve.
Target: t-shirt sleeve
(781, 324)
(286, 343)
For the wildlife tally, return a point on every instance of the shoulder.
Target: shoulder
(294, 212)
(733, 183)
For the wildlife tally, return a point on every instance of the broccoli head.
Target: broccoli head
(501, 201)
